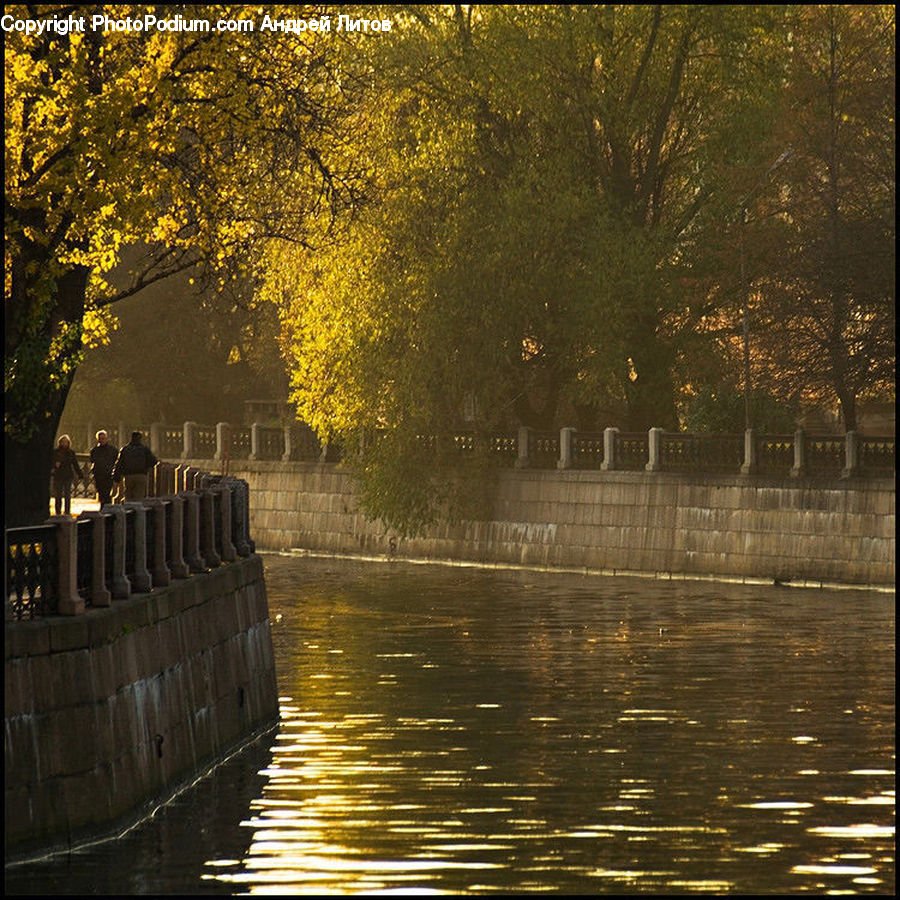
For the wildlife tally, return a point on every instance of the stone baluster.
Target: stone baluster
(120, 585)
(223, 441)
(288, 443)
(566, 437)
(523, 442)
(156, 438)
(227, 549)
(177, 565)
(100, 595)
(191, 479)
(241, 514)
(190, 441)
(140, 579)
(208, 529)
(192, 523)
(799, 468)
(255, 441)
(750, 453)
(851, 455)
(609, 449)
(160, 572)
(70, 603)
(654, 447)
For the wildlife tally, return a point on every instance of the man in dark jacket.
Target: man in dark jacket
(103, 458)
(134, 462)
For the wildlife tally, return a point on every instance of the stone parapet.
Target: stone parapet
(789, 528)
(109, 711)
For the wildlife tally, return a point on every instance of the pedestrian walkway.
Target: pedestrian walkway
(80, 505)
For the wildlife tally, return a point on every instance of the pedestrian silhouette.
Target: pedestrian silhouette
(135, 460)
(65, 470)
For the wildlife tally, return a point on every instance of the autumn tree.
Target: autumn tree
(194, 146)
(825, 311)
(553, 183)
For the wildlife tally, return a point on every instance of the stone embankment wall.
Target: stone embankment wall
(805, 531)
(109, 711)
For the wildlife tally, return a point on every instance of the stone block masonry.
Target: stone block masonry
(108, 712)
(790, 529)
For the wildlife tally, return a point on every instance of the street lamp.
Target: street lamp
(745, 285)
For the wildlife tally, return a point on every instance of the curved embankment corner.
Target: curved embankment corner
(110, 712)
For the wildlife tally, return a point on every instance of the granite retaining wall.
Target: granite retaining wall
(107, 713)
(792, 529)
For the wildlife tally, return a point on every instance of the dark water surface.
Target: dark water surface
(459, 730)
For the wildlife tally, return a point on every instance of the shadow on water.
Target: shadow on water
(167, 853)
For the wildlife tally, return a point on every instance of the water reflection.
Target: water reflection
(470, 731)
(453, 732)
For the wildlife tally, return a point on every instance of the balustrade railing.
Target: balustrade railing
(825, 455)
(31, 571)
(205, 443)
(270, 443)
(877, 456)
(67, 565)
(172, 443)
(775, 454)
(720, 453)
(240, 443)
(84, 530)
(543, 449)
(798, 454)
(631, 450)
(587, 449)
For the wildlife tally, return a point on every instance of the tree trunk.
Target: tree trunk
(847, 400)
(651, 395)
(27, 474)
(41, 402)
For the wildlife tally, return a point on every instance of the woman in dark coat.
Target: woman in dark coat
(65, 470)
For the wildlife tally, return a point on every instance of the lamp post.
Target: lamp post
(745, 285)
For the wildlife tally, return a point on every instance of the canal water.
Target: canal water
(463, 730)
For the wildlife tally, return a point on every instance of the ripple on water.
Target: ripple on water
(463, 731)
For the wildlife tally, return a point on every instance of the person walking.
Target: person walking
(65, 470)
(133, 463)
(103, 459)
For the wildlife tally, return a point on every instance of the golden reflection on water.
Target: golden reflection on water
(480, 735)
